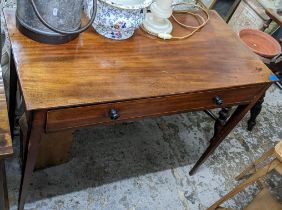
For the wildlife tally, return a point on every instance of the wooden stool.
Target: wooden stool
(263, 200)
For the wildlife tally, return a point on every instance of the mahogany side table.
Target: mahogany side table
(93, 80)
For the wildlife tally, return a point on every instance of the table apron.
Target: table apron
(68, 118)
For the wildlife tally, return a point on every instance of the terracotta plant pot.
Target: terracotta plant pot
(260, 42)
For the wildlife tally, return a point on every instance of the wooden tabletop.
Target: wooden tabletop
(93, 69)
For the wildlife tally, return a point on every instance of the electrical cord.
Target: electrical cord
(203, 22)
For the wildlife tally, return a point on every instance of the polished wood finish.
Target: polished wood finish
(94, 80)
(6, 148)
(93, 69)
(96, 114)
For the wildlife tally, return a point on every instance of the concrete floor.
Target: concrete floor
(144, 165)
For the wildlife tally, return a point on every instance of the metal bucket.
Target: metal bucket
(51, 21)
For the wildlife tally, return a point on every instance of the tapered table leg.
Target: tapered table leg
(37, 128)
(13, 83)
(223, 130)
(4, 201)
(255, 111)
(238, 114)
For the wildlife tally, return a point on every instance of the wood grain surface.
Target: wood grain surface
(136, 109)
(6, 148)
(93, 69)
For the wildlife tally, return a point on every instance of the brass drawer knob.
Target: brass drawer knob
(218, 100)
(114, 114)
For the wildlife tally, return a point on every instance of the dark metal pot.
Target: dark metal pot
(51, 21)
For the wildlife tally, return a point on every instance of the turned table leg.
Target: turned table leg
(4, 201)
(35, 132)
(221, 121)
(255, 111)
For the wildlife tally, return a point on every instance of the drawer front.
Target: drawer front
(129, 110)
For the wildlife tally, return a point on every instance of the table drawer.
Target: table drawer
(129, 110)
